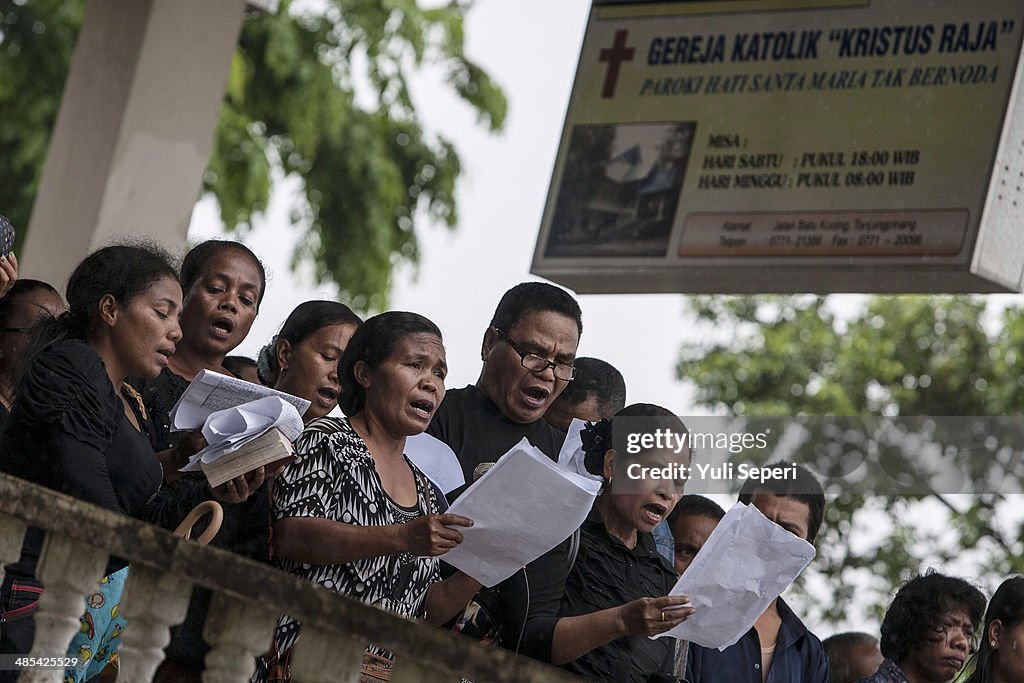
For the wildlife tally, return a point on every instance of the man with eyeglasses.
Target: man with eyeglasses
(528, 353)
(929, 630)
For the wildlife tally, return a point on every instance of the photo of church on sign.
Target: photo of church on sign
(620, 190)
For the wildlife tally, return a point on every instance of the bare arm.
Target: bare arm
(320, 541)
(315, 540)
(447, 598)
(576, 636)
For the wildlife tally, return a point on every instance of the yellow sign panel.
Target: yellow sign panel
(757, 145)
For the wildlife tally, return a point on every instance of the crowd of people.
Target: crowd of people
(88, 382)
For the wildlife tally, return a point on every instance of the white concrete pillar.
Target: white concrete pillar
(153, 601)
(237, 632)
(12, 535)
(135, 128)
(69, 570)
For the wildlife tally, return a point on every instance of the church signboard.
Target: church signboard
(792, 146)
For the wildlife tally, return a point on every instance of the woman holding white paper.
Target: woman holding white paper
(223, 283)
(354, 514)
(593, 613)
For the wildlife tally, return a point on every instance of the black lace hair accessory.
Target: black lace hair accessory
(596, 438)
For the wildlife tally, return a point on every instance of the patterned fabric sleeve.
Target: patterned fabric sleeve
(306, 487)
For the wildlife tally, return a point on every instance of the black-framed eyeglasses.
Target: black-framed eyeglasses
(538, 364)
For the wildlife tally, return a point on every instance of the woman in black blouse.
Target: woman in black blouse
(594, 613)
(75, 426)
(223, 284)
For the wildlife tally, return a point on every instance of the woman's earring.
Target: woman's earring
(995, 644)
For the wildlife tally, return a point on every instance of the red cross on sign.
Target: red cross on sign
(615, 55)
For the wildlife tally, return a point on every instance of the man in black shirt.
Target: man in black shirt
(528, 353)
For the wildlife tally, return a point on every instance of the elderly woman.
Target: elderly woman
(1000, 658)
(593, 613)
(353, 513)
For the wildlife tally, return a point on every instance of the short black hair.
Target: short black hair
(805, 487)
(528, 297)
(304, 320)
(373, 343)
(194, 263)
(837, 649)
(914, 612)
(694, 505)
(122, 270)
(600, 379)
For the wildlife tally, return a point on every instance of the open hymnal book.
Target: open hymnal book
(268, 448)
(246, 437)
(210, 392)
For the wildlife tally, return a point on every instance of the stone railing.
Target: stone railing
(247, 599)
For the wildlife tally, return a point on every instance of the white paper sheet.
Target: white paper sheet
(746, 563)
(437, 460)
(228, 430)
(210, 392)
(521, 508)
(571, 456)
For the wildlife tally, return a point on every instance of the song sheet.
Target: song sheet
(746, 563)
(210, 392)
(521, 508)
(228, 430)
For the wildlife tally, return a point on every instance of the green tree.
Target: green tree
(897, 356)
(295, 104)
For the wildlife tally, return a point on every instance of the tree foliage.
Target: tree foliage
(323, 95)
(897, 356)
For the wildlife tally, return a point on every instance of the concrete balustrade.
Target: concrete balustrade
(248, 597)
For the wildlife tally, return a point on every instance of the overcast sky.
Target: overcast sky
(531, 48)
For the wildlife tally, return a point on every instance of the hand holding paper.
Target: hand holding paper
(746, 563)
(432, 535)
(651, 616)
(521, 508)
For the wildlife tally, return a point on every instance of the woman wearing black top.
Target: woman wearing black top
(593, 614)
(223, 284)
(74, 426)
